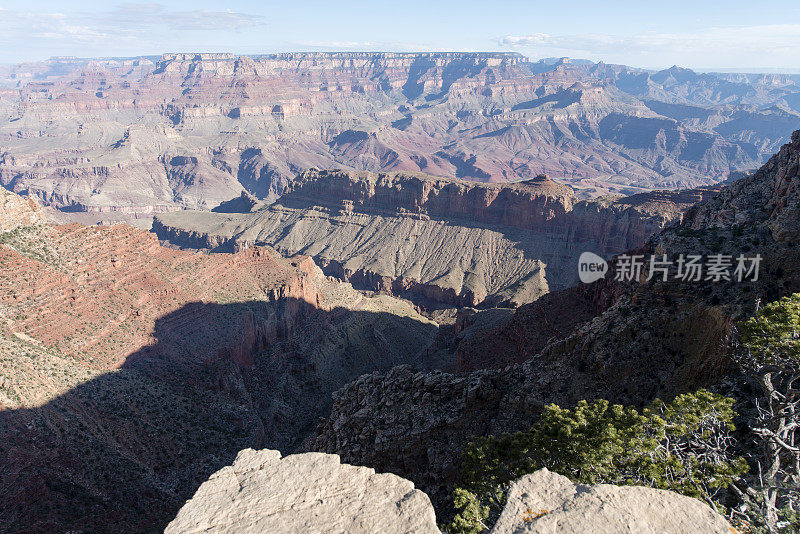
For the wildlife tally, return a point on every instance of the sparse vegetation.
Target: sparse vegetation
(684, 446)
(29, 241)
(770, 357)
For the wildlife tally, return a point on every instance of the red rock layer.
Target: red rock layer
(98, 292)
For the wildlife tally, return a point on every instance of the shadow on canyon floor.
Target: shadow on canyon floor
(123, 451)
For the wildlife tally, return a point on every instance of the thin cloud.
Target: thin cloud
(716, 44)
(147, 15)
(211, 20)
(126, 22)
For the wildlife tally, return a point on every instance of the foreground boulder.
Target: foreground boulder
(312, 492)
(548, 502)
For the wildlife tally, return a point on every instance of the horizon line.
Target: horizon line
(529, 59)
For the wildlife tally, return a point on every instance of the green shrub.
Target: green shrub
(771, 359)
(682, 446)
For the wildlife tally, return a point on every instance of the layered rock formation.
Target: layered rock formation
(154, 134)
(647, 339)
(129, 372)
(435, 239)
(312, 492)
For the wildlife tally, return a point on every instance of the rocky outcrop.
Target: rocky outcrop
(547, 503)
(770, 197)
(312, 492)
(192, 131)
(435, 239)
(523, 205)
(16, 211)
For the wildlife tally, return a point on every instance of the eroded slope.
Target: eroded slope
(129, 372)
(435, 239)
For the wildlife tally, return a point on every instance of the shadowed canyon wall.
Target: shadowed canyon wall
(129, 372)
(628, 342)
(434, 239)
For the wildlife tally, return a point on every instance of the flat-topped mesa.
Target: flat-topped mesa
(188, 56)
(513, 56)
(539, 205)
(375, 64)
(316, 75)
(327, 59)
(520, 205)
(390, 60)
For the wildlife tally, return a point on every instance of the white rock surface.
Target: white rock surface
(314, 493)
(545, 502)
(303, 493)
(16, 211)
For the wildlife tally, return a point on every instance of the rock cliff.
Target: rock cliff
(16, 211)
(545, 502)
(312, 492)
(435, 239)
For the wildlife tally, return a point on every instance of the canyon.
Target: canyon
(366, 255)
(129, 372)
(141, 136)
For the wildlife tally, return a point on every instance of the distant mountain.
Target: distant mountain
(154, 134)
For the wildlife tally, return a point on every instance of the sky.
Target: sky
(704, 35)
